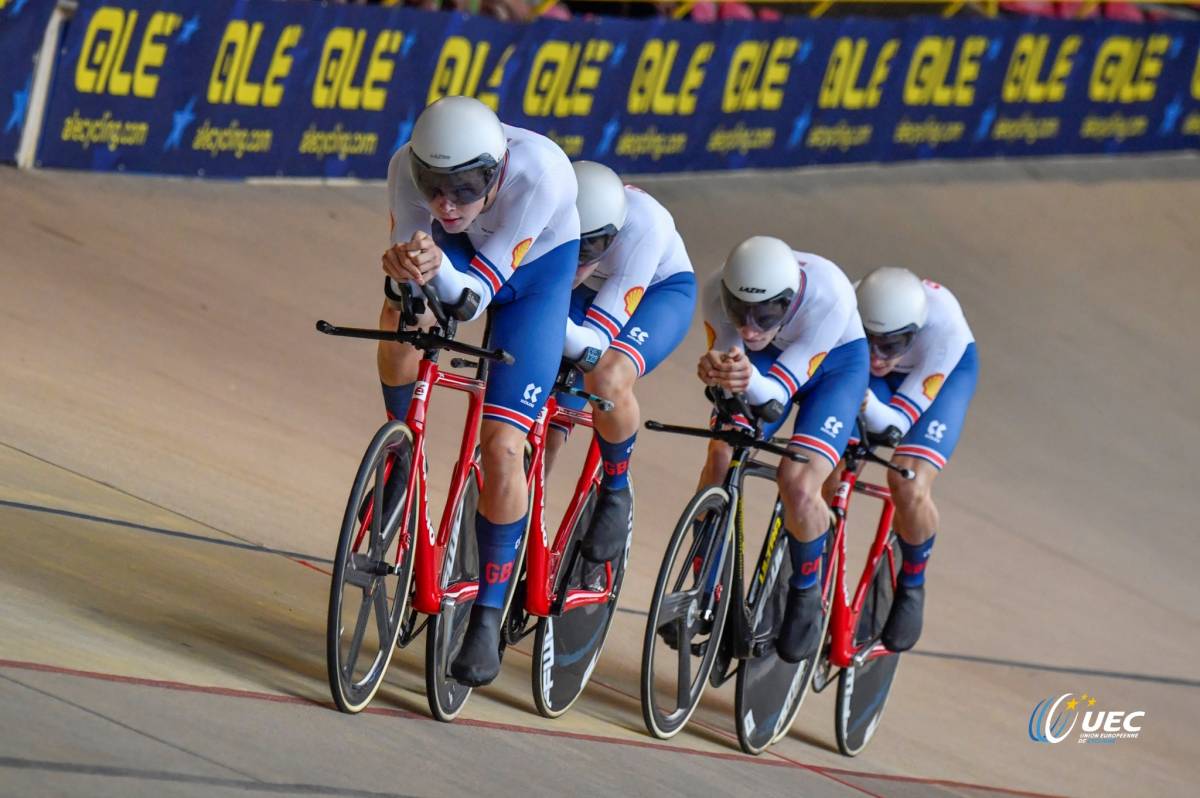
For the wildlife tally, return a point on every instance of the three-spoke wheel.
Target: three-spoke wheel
(372, 572)
(687, 614)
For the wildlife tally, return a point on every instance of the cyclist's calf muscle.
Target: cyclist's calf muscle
(504, 497)
(800, 484)
(917, 517)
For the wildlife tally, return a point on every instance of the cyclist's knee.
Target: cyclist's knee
(912, 492)
(800, 498)
(613, 377)
(503, 447)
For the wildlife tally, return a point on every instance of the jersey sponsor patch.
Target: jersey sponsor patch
(519, 252)
(815, 362)
(931, 385)
(710, 334)
(632, 298)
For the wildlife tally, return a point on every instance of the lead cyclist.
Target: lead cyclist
(484, 207)
(634, 296)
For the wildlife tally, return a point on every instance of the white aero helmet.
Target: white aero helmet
(893, 307)
(456, 150)
(759, 282)
(602, 208)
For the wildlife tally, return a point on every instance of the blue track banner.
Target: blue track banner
(263, 87)
(22, 23)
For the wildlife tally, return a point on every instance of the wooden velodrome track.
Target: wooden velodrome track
(176, 443)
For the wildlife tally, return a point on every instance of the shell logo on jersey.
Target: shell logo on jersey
(710, 334)
(519, 252)
(932, 384)
(632, 297)
(815, 362)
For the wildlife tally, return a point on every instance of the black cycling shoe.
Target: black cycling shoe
(903, 626)
(478, 661)
(611, 522)
(799, 635)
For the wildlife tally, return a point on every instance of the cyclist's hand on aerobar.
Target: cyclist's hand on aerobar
(730, 370)
(416, 260)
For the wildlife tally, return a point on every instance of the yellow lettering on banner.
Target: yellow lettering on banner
(101, 67)
(281, 65)
(563, 76)
(1022, 81)
(840, 87)
(230, 80)
(340, 57)
(648, 90)
(758, 71)
(1196, 78)
(1126, 69)
(928, 81)
(380, 69)
(153, 53)
(460, 67)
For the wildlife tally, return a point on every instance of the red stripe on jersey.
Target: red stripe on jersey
(487, 272)
(809, 442)
(599, 318)
(924, 452)
(906, 408)
(638, 361)
(520, 419)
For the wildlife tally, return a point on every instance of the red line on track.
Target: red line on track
(779, 761)
(784, 760)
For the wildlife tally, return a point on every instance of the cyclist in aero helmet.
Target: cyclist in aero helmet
(488, 208)
(634, 296)
(923, 373)
(783, 325)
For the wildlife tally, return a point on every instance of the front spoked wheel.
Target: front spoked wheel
(769, 691)
(567, 648)
(446, 696)
(863, 689)
(372, 572)
(687, 613)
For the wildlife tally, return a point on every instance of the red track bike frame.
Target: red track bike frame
(543, 559)
(845, 614)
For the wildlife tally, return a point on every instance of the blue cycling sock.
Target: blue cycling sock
(397, 398)
(806, 561)
(498, 544)
(912, 574)
(616, 462)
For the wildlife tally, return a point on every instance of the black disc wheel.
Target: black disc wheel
(687, 613)
(863, 688)
(446, 696)
(566, 648)
(372, 571)
(769, 691)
